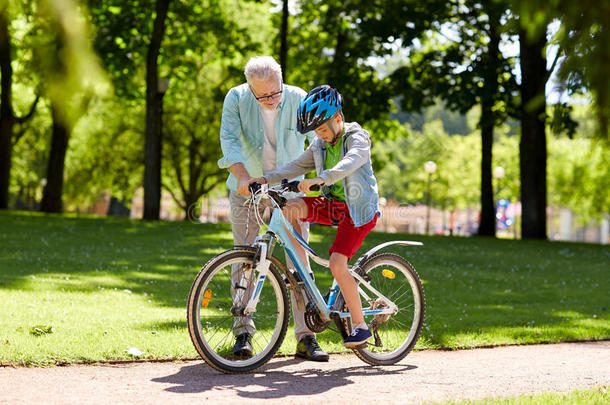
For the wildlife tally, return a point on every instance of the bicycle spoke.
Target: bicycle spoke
(395, 331)
(212, 332)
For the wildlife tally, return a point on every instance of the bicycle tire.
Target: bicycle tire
(400, 332)
(214, 342)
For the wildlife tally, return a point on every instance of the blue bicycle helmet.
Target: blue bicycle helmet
(317, 107)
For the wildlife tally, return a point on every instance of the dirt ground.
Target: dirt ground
(425, 376)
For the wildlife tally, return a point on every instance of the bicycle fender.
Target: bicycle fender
(377, 248)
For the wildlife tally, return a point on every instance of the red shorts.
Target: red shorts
(331, 212)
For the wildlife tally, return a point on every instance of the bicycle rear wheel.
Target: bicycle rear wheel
(394, 335)
(211, 321)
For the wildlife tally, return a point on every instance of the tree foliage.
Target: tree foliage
(584, 42)
(438, 59)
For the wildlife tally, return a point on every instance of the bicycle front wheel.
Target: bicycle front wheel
(394, 335)
(211, 307)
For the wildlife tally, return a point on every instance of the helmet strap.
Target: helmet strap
(335, 131)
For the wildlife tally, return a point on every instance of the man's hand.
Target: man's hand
(242, 186)
(305, 184)
(259, 180)
(243, 178)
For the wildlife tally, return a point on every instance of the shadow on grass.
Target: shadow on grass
(165, 326)
(275, 384)
(159, 259)
(472, 285)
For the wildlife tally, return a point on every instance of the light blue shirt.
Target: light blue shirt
(242, 135)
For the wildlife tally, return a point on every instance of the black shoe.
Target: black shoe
(242, 347)
(308, 348)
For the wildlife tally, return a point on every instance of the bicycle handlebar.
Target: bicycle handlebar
(294, 186)
(286, 185)
(254, 187)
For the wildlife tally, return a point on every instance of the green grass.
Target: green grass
(593, 396)
(105, 285)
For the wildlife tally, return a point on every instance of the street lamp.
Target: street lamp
(498, 174)
(430, 168)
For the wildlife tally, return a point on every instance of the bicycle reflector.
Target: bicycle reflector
(206, 298)
(386, 273)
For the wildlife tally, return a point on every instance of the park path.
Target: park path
(424, 376)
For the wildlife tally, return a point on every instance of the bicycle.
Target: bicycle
(391, 290)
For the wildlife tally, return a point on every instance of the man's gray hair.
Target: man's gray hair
(262, 68)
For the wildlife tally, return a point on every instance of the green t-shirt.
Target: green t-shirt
(333, 156)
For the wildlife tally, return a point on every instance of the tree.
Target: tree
(69, 77)
(60, 136)
(204, 68)
(8, 119)
(197, 36)
(328, 45)
(155, 91)
(532, 147)
(283, 37)
(105, 154)
(465, 69)
(584, 41)
(126, 43)
(192, 149)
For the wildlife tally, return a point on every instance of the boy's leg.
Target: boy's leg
(348, 240)
(294, 210)
(348, 286)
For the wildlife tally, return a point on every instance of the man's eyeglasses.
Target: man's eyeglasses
(265, 99)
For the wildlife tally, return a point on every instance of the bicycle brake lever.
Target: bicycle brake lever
(290, 185)
(254, 187)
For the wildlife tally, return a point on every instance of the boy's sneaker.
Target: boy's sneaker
(357, 338)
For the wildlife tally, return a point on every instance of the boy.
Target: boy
(341, 156)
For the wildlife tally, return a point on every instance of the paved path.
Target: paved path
(421, 377)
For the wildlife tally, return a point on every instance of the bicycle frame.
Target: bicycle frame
(280, 228)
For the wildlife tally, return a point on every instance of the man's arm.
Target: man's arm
(230, 132)
(230, 142)
(243, 178)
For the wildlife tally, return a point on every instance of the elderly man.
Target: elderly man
(258, 134)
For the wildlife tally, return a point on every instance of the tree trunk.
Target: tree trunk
(532, 146)
(52, 193)
(154, 99)
(487, 227)
(283, 38)
(6, 110)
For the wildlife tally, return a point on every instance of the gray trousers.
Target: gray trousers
(240, 223)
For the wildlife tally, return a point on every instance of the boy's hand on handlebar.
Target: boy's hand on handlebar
(306, 184)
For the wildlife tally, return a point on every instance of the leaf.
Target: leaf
(40, 330)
